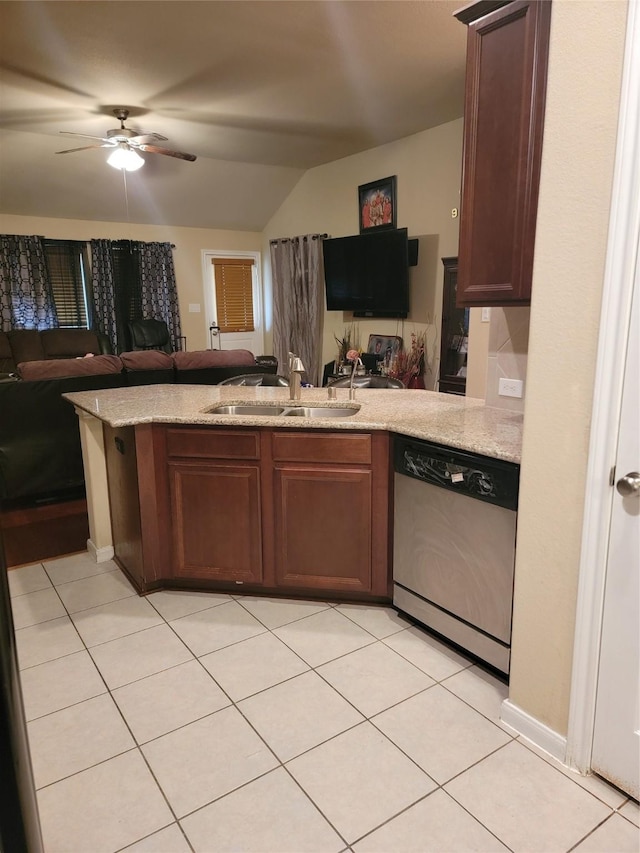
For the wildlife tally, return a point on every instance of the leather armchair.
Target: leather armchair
(149, 334)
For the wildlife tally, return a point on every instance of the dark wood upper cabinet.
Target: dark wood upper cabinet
(507, 53)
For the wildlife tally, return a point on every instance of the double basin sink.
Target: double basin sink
(286, 411)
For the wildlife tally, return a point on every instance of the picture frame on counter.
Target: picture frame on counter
(385, 347)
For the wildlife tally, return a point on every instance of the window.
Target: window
(234, 294)
(67, 265)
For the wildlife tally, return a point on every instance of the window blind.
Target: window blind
(234, 294)
(66, 276)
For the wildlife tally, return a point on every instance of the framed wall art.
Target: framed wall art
(377, 205)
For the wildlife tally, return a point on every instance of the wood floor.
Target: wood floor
(32, 534)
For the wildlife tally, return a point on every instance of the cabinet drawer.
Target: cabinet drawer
(213, 443)
(315, 446)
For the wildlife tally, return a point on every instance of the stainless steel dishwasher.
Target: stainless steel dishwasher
(454, 545)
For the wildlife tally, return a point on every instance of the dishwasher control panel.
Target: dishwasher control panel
(480, 477)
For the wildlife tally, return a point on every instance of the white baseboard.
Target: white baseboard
(100, 555)
(535, 731)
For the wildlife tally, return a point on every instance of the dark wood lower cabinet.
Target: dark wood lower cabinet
(323, 528)
(294, 512)
(331, 512)
(216, 521)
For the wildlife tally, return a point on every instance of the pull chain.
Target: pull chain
(126, 197)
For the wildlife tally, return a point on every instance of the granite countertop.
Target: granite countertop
(460, 422)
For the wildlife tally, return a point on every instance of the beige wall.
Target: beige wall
(428, 168)
(478, 356)
(507, 355)
(587, 43)
(187, 255)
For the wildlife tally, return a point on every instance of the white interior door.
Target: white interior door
(253, 341)
(616, 743)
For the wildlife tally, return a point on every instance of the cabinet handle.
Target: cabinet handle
(119, 445)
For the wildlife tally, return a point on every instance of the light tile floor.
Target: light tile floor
(210, 723)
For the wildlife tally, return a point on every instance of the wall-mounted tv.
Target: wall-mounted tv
(368, 274)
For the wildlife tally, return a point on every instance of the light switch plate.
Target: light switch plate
(194, 307)
(486, 315)
(510, 387)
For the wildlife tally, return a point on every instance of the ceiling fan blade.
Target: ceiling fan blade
(153, 149)
(82, 135)
(83, 148)
(144, 138)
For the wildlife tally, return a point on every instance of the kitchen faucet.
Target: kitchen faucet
(352, 390)
(296, 369)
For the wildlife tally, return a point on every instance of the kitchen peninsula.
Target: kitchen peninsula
(279, 503)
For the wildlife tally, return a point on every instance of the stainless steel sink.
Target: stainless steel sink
(246, 410)
(320, 412)
(249, 410)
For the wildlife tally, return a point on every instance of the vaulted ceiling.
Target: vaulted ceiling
(259, 90)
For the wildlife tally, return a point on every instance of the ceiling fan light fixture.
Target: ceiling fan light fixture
(124, 157)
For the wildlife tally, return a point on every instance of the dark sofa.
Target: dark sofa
(22, 345)
(40, 452)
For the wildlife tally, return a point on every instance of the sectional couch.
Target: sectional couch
(22, 345)
(40, 453)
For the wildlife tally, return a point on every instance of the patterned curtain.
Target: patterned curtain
(26, 300)
(297, 277)
(104, 292)
(159, 293)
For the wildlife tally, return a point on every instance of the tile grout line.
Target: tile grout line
(469, 705)
(281, 763)
(155, 832)
(311, 669)
(524, 742)
(185, 725)
(138, 748)
(134, 748)
(590, 833)
(421, 800)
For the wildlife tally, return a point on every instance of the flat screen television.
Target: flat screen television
(368, 274)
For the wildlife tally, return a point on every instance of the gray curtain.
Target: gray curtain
(26, 299)
(158, 290)
(104, 292)
(297, 275)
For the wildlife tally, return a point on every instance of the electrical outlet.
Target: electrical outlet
(194, 308)
(510, 387)
(454, 212)
(486, 315)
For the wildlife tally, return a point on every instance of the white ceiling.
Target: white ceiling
(259, 90)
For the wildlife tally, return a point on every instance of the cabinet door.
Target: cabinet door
(216, 520)
(503, 122)
(323, 527)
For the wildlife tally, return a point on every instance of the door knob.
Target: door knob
(629, 484)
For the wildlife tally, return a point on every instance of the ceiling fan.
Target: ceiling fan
(126, 144)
